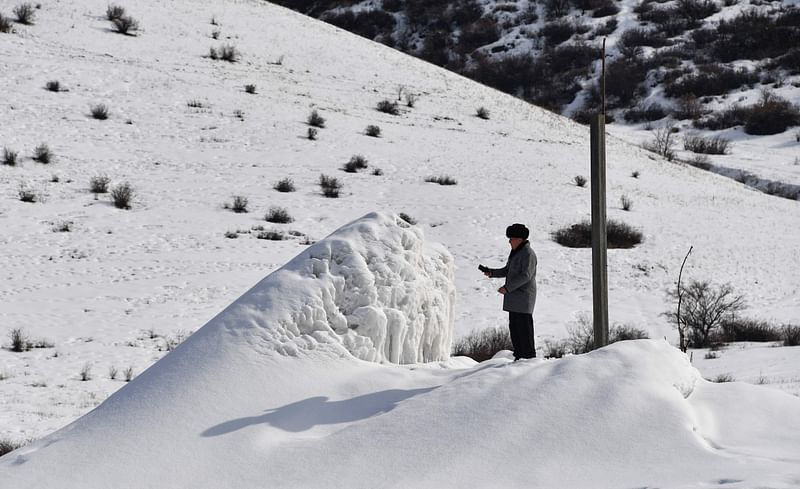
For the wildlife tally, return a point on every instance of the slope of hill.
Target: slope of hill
(114, 289)
(718, 72)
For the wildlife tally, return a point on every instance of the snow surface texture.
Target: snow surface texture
(122, 287)
(218, 413)
(373, 286)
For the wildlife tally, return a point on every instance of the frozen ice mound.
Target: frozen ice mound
(374, 289)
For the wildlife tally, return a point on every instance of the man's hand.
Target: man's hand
(485, 270)
(502, 291)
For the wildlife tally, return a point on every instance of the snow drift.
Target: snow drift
(372, 288)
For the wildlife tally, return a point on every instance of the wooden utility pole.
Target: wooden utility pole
(599, 237)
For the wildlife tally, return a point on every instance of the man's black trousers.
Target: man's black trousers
(520, 325)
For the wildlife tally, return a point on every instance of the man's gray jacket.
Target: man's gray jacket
(520, 274)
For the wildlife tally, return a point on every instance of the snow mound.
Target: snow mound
(373, 288)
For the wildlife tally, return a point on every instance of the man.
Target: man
(519, 291)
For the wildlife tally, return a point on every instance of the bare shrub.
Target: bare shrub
(580, 180)
(618, 235)
(271, 235)
(735, 329)
(19, 341)
(239, 204)
(688, 107)
(722, 378)
(25, 13)
(112, 372)
(377, 172)
(8, 446)
(5, 24)
(442, 180)
(407, 218)
(284, 185)
(482, 112)
(771, 115)
(226, 52)
(713, 145)
(651, 112)
(9, 157)
(635, 174)
(373, 131)
(311, 134)
(231, 234)
(27, 194)
(98, 184)
(330, 186)
(54, 86)
(484, 344)
(388, 107)
(126, 25)
(122, 195)
(99, 111)
(278, 215)
(316, 120)
(704, 308)
(626, 202)
(356, 163)
(250, 88)
(42, 154)
(86, 372)
(411, 100)
(663, 141)
(63, 227)
(114, 12)
(791, 335)
(128, 373)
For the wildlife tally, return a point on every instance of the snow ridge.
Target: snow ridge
(373, 289)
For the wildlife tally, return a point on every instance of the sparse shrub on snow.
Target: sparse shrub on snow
(711, 79)
(250, 88)
(19, 341)
(239, 204)
(482, 112)
(114, 12)
(122, 195)
(25, 13)
(86, 372)
(99, 111)
(311, 134)
(128, 373)
(388, 107)
(688, 107)
(126, 25)
(580, 180)
(411, 100)
(316, 120)
(791, 335)
(284, 185)
(722, 378)
(278, 215)
(626, 203)
(771, 115)
(407, 218)
(357, 162)
(558, 32)
(231, 234)
(42, 154)
(5, 24)
(98, 184)
(112, 372)
(271, 235)
(226, 52)
(704, 307)
(735, 329)
(373, 131)
(663, 142)
(330, 186)
(27, 194)
(62, 227)
(377, 172)
(484, 344)
(651, 112)
(711, 145)
(618, 235)
(8, 446)
(9, 157)
(442, 180)
(635, 174)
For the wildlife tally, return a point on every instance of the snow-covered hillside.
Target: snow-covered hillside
(123, 286)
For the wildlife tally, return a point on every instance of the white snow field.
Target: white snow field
(281, 389)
